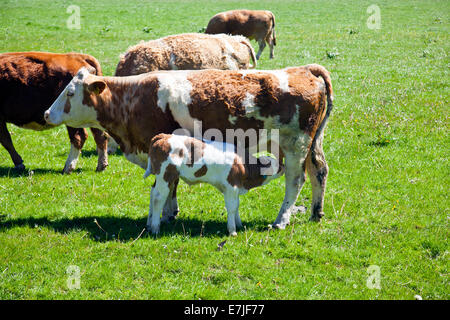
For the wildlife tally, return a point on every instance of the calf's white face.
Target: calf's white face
(69, 108)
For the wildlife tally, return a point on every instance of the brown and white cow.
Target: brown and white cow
(188, 51)
(217, 163)
(295, 102)
(253, 24)
(29, 83)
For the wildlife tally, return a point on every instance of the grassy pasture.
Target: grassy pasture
(387, 146)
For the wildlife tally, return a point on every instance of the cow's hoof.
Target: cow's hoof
(279, 226)
(317, 216)
(101, 167)
(20, 167)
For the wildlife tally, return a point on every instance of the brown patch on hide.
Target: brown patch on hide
(201, 172)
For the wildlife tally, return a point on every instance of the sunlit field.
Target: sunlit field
(385, 232)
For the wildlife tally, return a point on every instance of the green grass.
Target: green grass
(387, 146)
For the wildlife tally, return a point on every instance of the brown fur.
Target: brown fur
(190, 51)
(30, 82)
(159, 152)
(253, 24)
(201, 172)
(195, 148)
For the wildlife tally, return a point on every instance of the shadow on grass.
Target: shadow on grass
(13, 173)
(124, 229)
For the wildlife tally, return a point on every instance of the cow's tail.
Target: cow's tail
(252, 53)
(320, 71)
(273, 30)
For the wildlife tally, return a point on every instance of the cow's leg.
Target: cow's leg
(295, 178)
(5, 140)
(262, 45)
(158, 196)
(77, 138)
(171, 209)
(101, 140)
(317, 169)
(232, 205)
(269, 40)
(112, 145)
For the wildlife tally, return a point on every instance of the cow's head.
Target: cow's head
(75, 105)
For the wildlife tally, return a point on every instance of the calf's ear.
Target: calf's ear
(97, 86)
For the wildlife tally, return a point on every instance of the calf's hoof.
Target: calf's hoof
(233, 234)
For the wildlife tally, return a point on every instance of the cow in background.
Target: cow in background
(253, 24)
(29, 83)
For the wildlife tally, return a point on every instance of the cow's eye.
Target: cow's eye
(69, 93)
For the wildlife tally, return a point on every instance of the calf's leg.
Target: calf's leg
(171, 209)
(232, 205)
(158, 196)
(5, 140)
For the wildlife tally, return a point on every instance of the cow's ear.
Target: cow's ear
(97, 86)
(91, 70)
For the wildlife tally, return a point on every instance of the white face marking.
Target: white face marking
(175, 90)
(80, 115)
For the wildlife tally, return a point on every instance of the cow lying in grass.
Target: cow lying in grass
(175, 156)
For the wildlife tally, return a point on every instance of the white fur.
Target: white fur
(72, 159)
(80, 115)
(175, 90)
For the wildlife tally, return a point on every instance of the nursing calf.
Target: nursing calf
(174, 156)
(292, 105)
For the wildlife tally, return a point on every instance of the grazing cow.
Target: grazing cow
(29, 83)
(293, 103)
(253, 24)
(189, 51)
(175, 156)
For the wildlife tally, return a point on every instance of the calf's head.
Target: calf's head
(75, 105)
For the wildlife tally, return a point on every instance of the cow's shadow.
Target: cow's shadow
(10, 172)
(126, 229)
